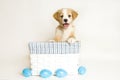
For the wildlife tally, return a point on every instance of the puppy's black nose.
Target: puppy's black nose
(65, 20)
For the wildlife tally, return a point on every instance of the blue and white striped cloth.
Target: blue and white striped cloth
(54, 48)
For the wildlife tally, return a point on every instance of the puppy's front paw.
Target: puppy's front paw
(52, 40)
(71, 40)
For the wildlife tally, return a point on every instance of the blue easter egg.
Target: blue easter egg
(45, 73)
(82, 70)
(60, 73)
(27, 72)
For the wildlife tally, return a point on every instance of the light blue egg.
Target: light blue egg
(82, 70)
(45, 73)
(60, 73)
(27, 72)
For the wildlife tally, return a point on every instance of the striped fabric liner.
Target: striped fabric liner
(54, 48)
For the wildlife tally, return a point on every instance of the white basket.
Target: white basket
(54, 55)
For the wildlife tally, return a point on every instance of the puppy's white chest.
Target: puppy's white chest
(66, 33)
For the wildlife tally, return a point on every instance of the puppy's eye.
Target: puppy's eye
(61, 16)
(69, 16)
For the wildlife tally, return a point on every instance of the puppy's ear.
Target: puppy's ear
(55, 15)
(74, 14)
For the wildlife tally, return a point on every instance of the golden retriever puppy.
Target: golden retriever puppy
(65, 31)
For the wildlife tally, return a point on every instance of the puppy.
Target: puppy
(65, 31)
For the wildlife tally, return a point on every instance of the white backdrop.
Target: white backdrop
(22, 21)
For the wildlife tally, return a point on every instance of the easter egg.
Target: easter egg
(82, 70)
(27, 72)
(60, 73)
(45, 73)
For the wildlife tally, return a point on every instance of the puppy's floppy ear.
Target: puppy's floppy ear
(74, 14)
(55, 15)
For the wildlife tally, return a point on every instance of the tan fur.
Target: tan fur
(72, 35)
(57, 14)
(63, 34)
(57, 38)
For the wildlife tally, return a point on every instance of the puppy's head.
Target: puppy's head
(65, 16)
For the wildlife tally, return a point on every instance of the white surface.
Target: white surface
(98, 27)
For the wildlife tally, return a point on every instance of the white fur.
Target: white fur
(71, 40)
(66, 33)
(65, 13)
